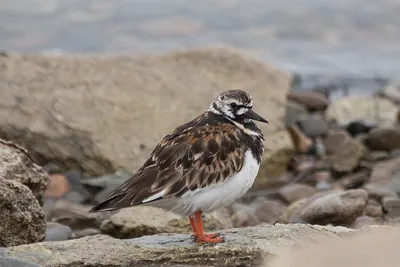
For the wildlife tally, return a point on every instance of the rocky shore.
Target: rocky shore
(75, 127)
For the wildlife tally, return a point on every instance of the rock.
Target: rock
(268, 211)
(22, 218)
(355, 180)
(377, 192)
(293, 192)
(348, 155)
(391, 206)
(334, 140)
(243, 215)
(313, 101)
(245, 247)
(337, 208)
(374, 156)
(357, 127)
(12, 262)
(366, 247)
(374, 110)
(291, 215)
(102, 186)
(58, 186)
(301, 142)
(384, 172)
(373, 209)
(74, 215)
(312, 125)
(145, 220)
(46, 115)
(364, 221)
(86, 232)
(16, 164)
(275, 161)
(384, 139)
(391, 92)
(294, 111)
(57, 232)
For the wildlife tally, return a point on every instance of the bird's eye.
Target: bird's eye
(233, 105)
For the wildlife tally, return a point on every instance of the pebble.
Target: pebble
(391, 206)
(313, 101)
(268, 211)
(301, 142)
(294, 111)
(373, 209)
(384, 139)
(357, 127)
(86, 232)
(355, 180)
(337, 208)
(364, 221)
(57, 232)
(334, 140)
(347, 157)
(293, 192)
(312, 125)
(391, 92)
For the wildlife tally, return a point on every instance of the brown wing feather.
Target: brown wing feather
(184, 160)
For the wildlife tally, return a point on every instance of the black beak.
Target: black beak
(254, 116)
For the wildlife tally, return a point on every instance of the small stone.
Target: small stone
(391, 206)
(291, 214)
(243, 215)
(384, 171)
(386, 139)
(348, 155)
(58, 186)
(334, 140)
(378, 193)
(293, 112)
(313, 101)
(269, 211)
(374, 156)
(293, 192)
(337, 208)
(86, 232)
(354, 180)
(300, 141)
(57, 232)
(373, 209)
(357, 127)
(312, 125)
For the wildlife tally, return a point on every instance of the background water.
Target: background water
(357, 39)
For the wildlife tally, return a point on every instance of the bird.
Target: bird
(199, 167)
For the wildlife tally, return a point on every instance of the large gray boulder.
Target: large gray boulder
(102, 112)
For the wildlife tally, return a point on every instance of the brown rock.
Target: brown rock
(22, 219)
(313, 101)
(269, 211)
(243, 215)
(391, 92)
(337, 208)
(300, 141)
(355, 180)
(293, 192)
(348, 155)
(74, 215)
(118, 93)
(291, 215)
(382, 172)
(384, 139)
(373, 209)
(334, 140)
(58, 186)
(378, 192)
(16, 164)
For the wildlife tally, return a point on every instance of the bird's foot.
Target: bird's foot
(209, 238)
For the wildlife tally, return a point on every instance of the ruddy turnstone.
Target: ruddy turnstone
(200, 166)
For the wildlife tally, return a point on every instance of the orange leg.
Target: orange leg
(194, 226)
(203, 237)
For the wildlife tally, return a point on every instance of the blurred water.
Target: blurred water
(344, 37)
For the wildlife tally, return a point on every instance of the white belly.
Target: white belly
(220, 195)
